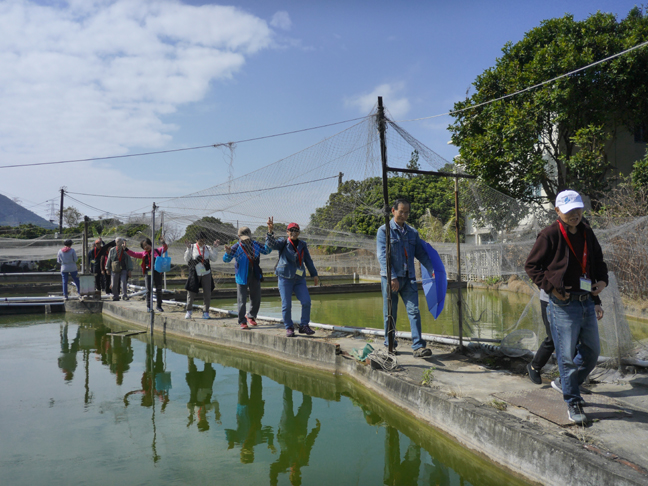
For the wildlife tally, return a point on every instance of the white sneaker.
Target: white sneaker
(206, 315)
(188, 315)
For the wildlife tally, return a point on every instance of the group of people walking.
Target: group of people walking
(293, 261)
(566, 263)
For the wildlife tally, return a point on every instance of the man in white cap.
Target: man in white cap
(567, 263)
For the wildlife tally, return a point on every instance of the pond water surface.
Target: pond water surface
(78, 406)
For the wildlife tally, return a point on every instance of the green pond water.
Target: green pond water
(487, 314)
(81, 407)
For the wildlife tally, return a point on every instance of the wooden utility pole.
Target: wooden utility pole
(61, 212)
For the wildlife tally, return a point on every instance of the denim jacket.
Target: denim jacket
(408, 244)
(242, 263)
(287, 264)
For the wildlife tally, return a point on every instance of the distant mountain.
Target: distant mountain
(12, 214)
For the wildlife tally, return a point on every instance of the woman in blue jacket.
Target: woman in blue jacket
(294, 258)
(247, 253)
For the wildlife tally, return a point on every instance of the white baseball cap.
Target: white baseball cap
(568, 200)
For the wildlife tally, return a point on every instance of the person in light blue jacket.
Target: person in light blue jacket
(294, 258)
(67, 258)
(247, 254)
(405, 246)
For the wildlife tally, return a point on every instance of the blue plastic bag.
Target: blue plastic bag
(163, 263)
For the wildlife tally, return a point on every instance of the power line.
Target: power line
(201, 195)
(216, 145)
(643, 44)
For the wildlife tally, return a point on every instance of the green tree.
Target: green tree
(357, 206)
(413, 164)
(552, 136)
(213, 228)
(71, 216)
(639, 173)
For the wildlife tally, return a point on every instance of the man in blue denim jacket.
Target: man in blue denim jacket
(294, 258)
(405, 246)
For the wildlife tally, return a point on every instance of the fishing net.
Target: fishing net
(333, 190)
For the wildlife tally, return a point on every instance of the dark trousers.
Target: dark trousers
(547, 346)
(254, 286)
(157, 281)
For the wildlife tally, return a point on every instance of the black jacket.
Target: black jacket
(547, 263)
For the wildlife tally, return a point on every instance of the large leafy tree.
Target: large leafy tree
(556, 136)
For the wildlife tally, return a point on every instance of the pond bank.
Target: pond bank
(461, 401)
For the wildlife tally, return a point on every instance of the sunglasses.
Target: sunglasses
(293, 230)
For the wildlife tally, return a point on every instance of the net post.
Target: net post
(152, 260)
(391, 325)
(459, 300)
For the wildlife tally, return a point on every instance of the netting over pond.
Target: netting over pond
(333, 190)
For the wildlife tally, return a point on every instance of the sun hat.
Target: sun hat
(244, 233)
(568, 200)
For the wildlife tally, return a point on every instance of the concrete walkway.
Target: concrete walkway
(497, 413)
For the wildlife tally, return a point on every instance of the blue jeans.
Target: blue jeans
(286, 288)
(75, 279)
(409, 293)
(575, 334)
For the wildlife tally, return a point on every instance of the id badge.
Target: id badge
(92, 262)
(586, 284)
(299, 272)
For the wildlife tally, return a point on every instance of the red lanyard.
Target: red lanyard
(202, 255)
(300, 256)
(95, 252)
(583, 264)
(246, 254)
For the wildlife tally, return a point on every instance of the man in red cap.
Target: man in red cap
(294, 258)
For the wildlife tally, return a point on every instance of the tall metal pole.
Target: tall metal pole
(162, 233)
(152, 260)
(84, 268)
(459, 306)
(61, 212)
(391, 325)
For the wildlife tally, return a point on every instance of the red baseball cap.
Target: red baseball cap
(293, 226)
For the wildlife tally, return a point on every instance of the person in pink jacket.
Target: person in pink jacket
(145, 257)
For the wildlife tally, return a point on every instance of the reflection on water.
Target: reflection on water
(174, 412)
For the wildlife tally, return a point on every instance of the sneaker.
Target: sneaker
(556, 385)
(126, 297)
(244, 325)
(290, 332)
(115, 299)
(251, 321)
(534, 375)
(206, 315)
(306, 330)
(188, 315)
(575, 413)
(422, 353)
(159, 309)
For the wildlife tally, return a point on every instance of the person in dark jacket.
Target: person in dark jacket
(567, 263)
(294, 258)
(198, 258)
(95, 257)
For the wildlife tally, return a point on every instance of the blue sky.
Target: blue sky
(96, 78)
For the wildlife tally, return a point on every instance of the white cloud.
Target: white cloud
(95, 77)
(281, 20)
(395, 105)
